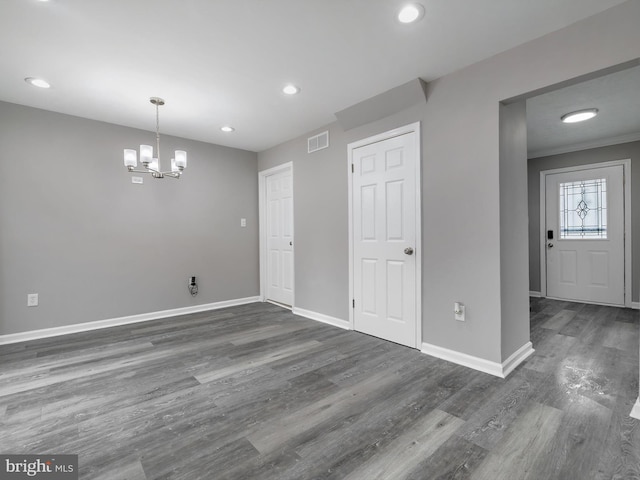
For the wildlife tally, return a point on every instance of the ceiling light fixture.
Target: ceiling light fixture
(151, 164)
(291, 89)
(227, 129)
(411, 13)
(37, 82)
(579, 115)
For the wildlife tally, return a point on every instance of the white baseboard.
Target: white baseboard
(492, 368)
(321, 317)
(517, 358)
(113, 322)
(635, 411)
(635, 305)
(535, 294)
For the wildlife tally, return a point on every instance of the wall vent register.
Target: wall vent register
(318, 142)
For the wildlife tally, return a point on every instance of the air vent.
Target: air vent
(318, 142)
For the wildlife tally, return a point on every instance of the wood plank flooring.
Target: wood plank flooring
(255, 392)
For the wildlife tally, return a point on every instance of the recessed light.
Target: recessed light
(580, 115)
(227, 129)
(291, 89)
(411, 13)
(37, 82)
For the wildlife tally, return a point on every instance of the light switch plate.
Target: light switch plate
(32, 300)
(243, 222)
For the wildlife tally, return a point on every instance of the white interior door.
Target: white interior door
(585, 235)
(279, 233)
(384, 203)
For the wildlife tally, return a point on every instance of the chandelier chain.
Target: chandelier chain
(158, 132)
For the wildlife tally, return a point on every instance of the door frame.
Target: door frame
(396, 132)
(626, 184)
(262, 215)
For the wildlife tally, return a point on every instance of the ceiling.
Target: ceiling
(218, 62)
(617, 98)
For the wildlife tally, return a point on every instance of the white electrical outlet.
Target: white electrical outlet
(137, 180)
(243, 222)
(458, 311)
(32, 299)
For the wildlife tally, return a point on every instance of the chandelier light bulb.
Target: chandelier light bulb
(130, 158)
(181, 159)
(146, 154)
(154, 165)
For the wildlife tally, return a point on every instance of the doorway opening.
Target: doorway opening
(612, 136)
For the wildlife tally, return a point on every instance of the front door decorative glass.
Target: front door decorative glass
(583, 209)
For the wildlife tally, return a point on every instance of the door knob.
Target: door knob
(408, 251)
(550, 245)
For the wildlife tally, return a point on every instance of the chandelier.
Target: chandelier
(150, 163)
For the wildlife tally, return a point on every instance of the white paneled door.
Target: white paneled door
(584, 237)
(279, 233)
(384, 202)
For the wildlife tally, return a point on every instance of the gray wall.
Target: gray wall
(320, 222)
(604, 154)
(320, 212)
(74, 229)
(462, 238)
(513, 226)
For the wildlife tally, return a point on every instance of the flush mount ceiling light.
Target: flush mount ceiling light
(151, 164)
(411, 13)
(290, 89)
(579, 116)
(37, 82)
(227, 129)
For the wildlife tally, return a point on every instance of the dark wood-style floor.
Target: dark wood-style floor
(254, 392)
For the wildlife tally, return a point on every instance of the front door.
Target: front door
(384, 200)
(584, 236)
